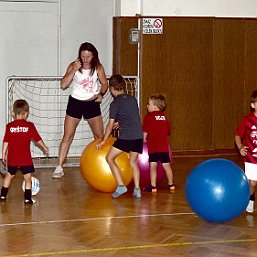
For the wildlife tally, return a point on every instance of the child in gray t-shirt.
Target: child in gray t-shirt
(124, 110)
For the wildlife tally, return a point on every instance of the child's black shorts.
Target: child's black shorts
(162, 157)
(127, 146)
(24, 169)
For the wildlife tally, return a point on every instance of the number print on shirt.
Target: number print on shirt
(160, 117)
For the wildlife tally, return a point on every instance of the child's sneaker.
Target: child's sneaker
(250, 207)
(30, 201)
(3, 198)
(171, 188)
(151, 189)
(58, 172)
(119, 191)
(137, 193)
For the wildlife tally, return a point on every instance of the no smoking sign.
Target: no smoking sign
(152, 25)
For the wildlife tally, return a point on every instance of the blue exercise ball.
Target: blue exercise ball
(217, 190)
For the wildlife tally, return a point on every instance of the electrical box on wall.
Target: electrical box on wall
(134, 36)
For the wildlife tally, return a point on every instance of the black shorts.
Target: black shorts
(127, 146)
(162, 157)
(87, 109)
(24, 169)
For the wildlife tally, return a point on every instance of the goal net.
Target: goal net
(48, 104)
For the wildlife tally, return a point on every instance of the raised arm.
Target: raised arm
(68, 76)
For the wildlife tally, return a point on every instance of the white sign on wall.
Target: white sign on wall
(152, 25)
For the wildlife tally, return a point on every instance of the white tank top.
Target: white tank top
(83, 85)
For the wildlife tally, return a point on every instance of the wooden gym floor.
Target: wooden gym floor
(71, 219)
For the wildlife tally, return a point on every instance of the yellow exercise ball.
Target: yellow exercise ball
(96, 171)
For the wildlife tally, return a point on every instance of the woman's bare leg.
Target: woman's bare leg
(70, 125)
(97, 127)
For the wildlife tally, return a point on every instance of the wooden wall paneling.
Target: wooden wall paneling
(206, 66)
(250, 63)
(179, 63)
(124, 54)
(228, 83)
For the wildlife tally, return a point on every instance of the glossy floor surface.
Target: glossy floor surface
(71, 219)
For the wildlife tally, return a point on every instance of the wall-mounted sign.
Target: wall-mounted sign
(152, 25)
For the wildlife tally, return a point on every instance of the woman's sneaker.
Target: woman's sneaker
(58, 172)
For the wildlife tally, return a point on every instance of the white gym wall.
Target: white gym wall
(29, 43)
(43, 37)
(217, 8)
(86, 20)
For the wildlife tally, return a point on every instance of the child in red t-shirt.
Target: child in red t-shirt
(16, 149)
(156, 129)
(246, 141)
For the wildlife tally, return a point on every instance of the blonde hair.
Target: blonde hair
(159, 100)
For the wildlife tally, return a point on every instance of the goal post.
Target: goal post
(47, 103)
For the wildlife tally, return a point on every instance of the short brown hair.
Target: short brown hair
(254, 96)
(20, 106)
(117, 82)
(159, 100)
